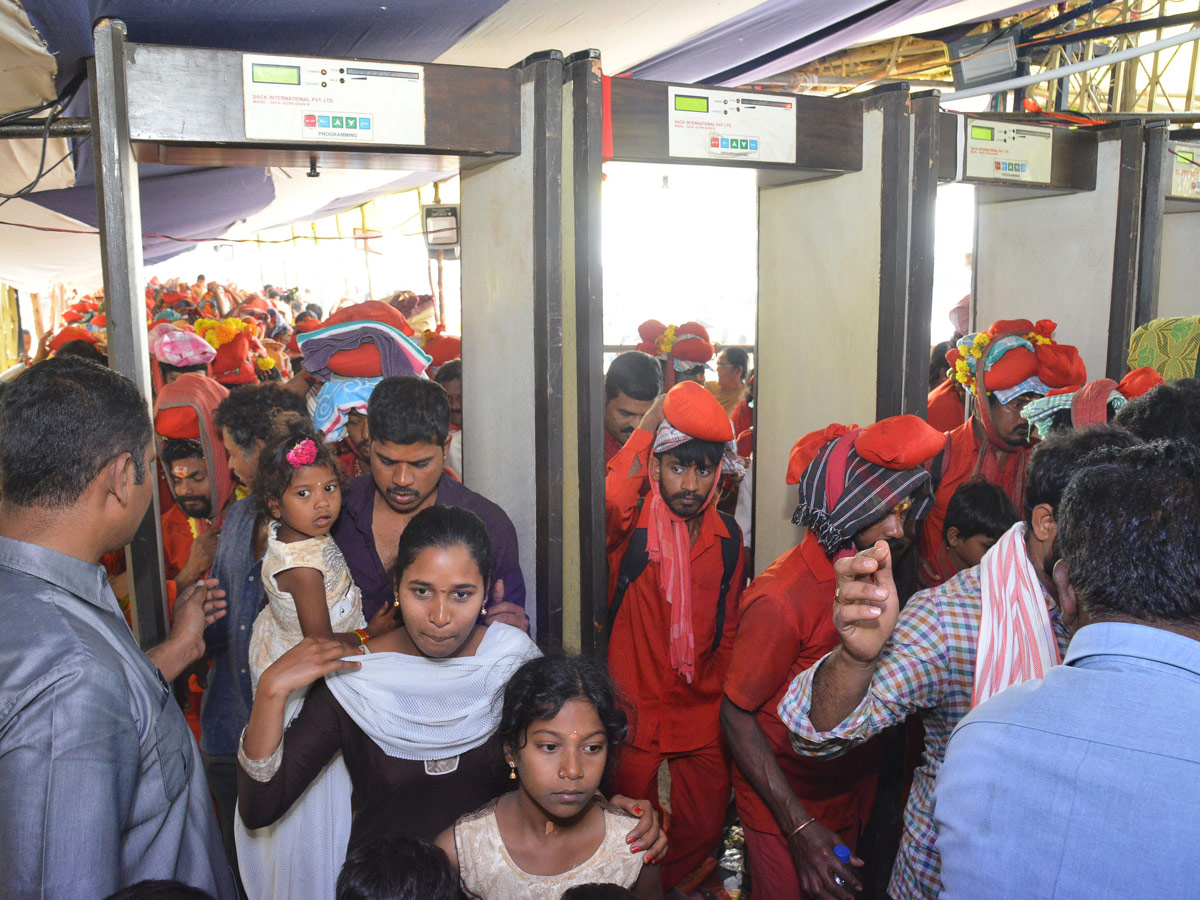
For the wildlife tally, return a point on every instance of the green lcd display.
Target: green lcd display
(684, 103)
(1186, 156)
(982, 133)
(264, 74)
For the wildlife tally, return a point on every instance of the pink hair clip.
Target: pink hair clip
(303, 454)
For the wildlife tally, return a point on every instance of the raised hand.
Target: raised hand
(866, 605)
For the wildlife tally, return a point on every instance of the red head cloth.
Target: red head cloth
(185, 408)
(68, 334)
(72, 315)
(1059, 365)
(692, 343)
(697, 413)
(805, 450)
(98, 321)
(1011, 369)
(1010, 326)
(371, 311)
(173, 298)
(1138, 382)
(1089, 406)
(443, 348)
(899, 442)
(234, 363)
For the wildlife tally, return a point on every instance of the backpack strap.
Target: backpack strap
(937, 468)
(731, 551)
(633, 562)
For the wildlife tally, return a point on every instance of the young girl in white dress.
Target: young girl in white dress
(309, 589)
(559, 721)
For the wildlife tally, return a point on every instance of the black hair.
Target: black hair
(406, 409)
(541, 687)
(696, 453)
(938, 367)
(84, 350)
(634, 374)
(1169, 411)
(1129, 526)
(444, 527)
(691, 374)
(61, 422)
(168, 369)
(160, 890)
(275, 472)
(606, 891)
(979, 507)
(1057, 458)
(451, 371)
(175, 449)
(739, 358)
(250, 409)
(397, 867)
(304, 315)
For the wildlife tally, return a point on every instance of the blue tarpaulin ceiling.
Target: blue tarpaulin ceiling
(688, 41)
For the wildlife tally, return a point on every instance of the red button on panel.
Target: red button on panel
(714, 142)
(310, 121)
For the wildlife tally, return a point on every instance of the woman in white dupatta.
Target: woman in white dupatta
(414, 721)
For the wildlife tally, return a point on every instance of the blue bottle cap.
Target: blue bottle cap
(842, 852)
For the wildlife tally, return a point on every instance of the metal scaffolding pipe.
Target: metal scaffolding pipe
(1053, 74)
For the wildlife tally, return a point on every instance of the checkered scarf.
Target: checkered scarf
(837, 508)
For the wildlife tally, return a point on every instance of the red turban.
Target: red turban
(371, 311)
(1011, 369)
(899, 442)
(697, 413)
(72, 315)
(179, 422)
(805, 450)
(650, 331)
(1058, 365)
(442, 348)
(692, 343)
(1138, 382)
(303, 327)
(68, 334)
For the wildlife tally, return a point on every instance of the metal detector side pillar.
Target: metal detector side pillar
(586, 574)
(512, 335)
(125, 309)
(1123, 300)
(926, 111)
(1156, 183)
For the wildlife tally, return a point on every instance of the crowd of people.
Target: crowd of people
(349, 703)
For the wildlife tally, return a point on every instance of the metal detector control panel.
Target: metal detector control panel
(1185, 170)
(302, 98)
(1008, 151)
(732, 125)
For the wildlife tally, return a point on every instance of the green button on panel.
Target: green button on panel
(338, 122)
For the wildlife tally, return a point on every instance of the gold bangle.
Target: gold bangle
(800, 828)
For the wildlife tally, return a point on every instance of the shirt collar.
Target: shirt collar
(1128, 639)
(85, 580)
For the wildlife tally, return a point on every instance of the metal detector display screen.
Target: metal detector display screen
(684, 103)
(982, 133)
(275, 74)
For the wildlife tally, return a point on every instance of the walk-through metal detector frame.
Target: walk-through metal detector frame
(500, 127)
(1169, 267)
(830, 146)
(1047, 228)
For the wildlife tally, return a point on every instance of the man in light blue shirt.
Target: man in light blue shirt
(1087, 783)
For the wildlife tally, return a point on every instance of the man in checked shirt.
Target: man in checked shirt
(892, 663)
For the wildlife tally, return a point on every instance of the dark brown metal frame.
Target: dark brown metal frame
(926, 112)
(1156, 185)
(1125, 248)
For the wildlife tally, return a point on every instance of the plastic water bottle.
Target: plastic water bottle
(842, 852)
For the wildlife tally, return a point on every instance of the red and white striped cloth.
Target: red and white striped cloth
(1016, 639)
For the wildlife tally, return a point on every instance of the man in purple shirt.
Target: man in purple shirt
(408, 422)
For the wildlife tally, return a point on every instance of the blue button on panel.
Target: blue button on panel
(322, 121)
(364, 123)
(724, 143)
(754, 145)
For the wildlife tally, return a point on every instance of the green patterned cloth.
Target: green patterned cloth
(1169, 346)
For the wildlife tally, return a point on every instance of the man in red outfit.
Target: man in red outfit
(675, 583)
(631, 383)
(1003, 368)
(857, 486)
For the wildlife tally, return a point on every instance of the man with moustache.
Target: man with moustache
(856, 486)
(675, 581)
(951, 647)
(408, 428)
(631, 383)
(1004, 368)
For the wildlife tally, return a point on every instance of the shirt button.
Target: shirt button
(250, 578)
(243, 671)
(243, 628)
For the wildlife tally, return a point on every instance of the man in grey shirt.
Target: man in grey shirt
(100, 779)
